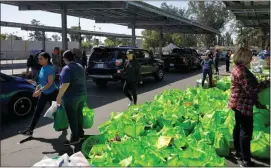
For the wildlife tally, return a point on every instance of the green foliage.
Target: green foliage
(3, 36)
(75, 36)
(211, 13)
(56, 37)
(36, 35)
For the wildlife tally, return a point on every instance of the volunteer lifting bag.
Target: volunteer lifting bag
(88, 117)
(61, 120)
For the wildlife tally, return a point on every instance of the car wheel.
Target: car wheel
(100, 82)
(21, 105)
(159, 75)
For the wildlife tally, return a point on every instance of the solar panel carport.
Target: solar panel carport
(132, 14)
(252, 14)
(29, 27)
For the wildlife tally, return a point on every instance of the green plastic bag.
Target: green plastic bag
(264, 96)
(221, 146)
(88, 117)
(61, 120)
(260, 145)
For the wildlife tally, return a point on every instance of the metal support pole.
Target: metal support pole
(133, 34)
(43, 40)
(80, 41)
(160, 42)
(64, 27)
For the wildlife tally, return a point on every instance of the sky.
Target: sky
(12, 14)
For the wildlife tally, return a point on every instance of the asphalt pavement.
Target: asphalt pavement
(18, 150)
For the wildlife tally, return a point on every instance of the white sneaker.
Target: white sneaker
(130, 103)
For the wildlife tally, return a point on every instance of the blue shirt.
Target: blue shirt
(74, 74)
(206, 64)
(43, 78)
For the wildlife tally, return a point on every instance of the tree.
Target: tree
(228, 39)
(36, 35)
(3, 36)
(151, 39)
(212, 14)
(13, 37)
(110, 42)
(56, 37)
(75, 36)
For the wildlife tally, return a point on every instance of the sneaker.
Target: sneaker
(237, 156)
(247, 164)
(71, 142)
(27, 132)
(130, 103)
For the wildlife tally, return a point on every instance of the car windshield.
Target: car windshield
(181, 51)
(107, 53)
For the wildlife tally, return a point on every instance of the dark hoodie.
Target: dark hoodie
(131, 71)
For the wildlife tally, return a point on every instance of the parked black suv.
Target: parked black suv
(104, 63)
(182, 58)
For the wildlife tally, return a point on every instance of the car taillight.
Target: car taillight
(118, 62)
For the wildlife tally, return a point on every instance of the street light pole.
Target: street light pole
(100, 36)
(80, 39)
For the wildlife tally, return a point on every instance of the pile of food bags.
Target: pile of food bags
(179, 128)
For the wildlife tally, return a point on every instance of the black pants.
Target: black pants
(216, 66)
(242, 134)
(42, 101)
(205, 73)
(227, 65)
(130, 86)
(74, 108)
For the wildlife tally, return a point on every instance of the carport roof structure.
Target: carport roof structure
(29, 27)
(251, 13)
(132, 14)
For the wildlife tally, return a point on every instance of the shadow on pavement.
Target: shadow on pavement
(57, 144)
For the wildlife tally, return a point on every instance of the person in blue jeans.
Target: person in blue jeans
(207, 69)
(46, 91)
(72, 95)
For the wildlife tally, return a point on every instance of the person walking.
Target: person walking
(207, 69)
(56, 60)
(132, 77)
(228, 58)
(244, 90)
(216, 60)
(72, 95)
(46, 91)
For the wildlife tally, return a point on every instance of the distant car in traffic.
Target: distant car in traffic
(105, 62)
(16, 96)
(182, 59)
(223, 55)
(261, 53)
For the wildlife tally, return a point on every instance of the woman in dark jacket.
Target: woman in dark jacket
(131, 73)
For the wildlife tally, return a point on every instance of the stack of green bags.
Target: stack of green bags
(179, 128)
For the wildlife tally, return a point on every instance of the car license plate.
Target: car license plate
(171, 65)
(100, 65)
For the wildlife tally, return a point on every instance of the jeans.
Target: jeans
(130, 86)
(227, 65)
(42, 101)
(242, 134)
(74, 108)
(205, 73)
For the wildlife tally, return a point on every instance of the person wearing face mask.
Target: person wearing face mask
(131, 74)
(46, 91)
